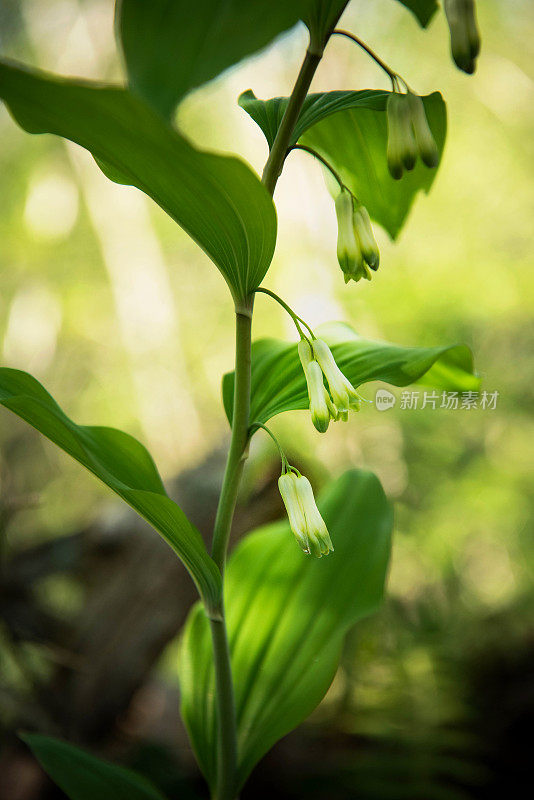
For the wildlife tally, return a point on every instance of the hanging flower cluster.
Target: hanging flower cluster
(318, 362)
(409, 134)
(356, 245)
(305, 520)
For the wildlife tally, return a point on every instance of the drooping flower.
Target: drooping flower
(356, 245)
(409, 134)
(426, 145)
(401, 147)
(465, 38)
(349, 254)
(321, 406)
(295, 512)
(305, 519)
(343, 392)
(364, 232)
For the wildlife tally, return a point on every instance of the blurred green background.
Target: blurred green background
(128, 324)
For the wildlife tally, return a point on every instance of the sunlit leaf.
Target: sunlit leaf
(217, 199)
(423, 10)
(172, 46)
(349, 129)
(83, 777)
(122, 463)
(278, 382)
(287, 614)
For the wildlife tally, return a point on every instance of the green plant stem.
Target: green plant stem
(356, 39)
(296, 319)
(238, 446)
(227, 738)
(323, 161)
(256, 426)
(275, 162)
(227, 731)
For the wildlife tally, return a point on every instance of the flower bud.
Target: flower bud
(465, 39)
(321, 407)
(295, 512)
(305, 520)
(349, 254)
(319, 542)
(364, 232)
(319, 410)
(343, 392)
(423, 135)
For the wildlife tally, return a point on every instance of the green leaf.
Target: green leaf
(218, 200)
(83, 777)
(349, 129)
(173, 46)
(423, 10)
(287, 615)
(278, 382)
(123, 464)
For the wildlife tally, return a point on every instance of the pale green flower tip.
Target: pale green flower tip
(322, 544)
(327, 545)
(303, 543)
(315, 548)
(320, 422)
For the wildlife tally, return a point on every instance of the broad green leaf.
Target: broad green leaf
(287, 615)
(123, 464)
(278, 382)
(83, 777)
(349, 129)
(173, 46)
(217, 199)
(423, 10)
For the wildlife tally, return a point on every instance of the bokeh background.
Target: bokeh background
(128, 324)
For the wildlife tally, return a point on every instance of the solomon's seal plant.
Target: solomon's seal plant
(247, 675)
